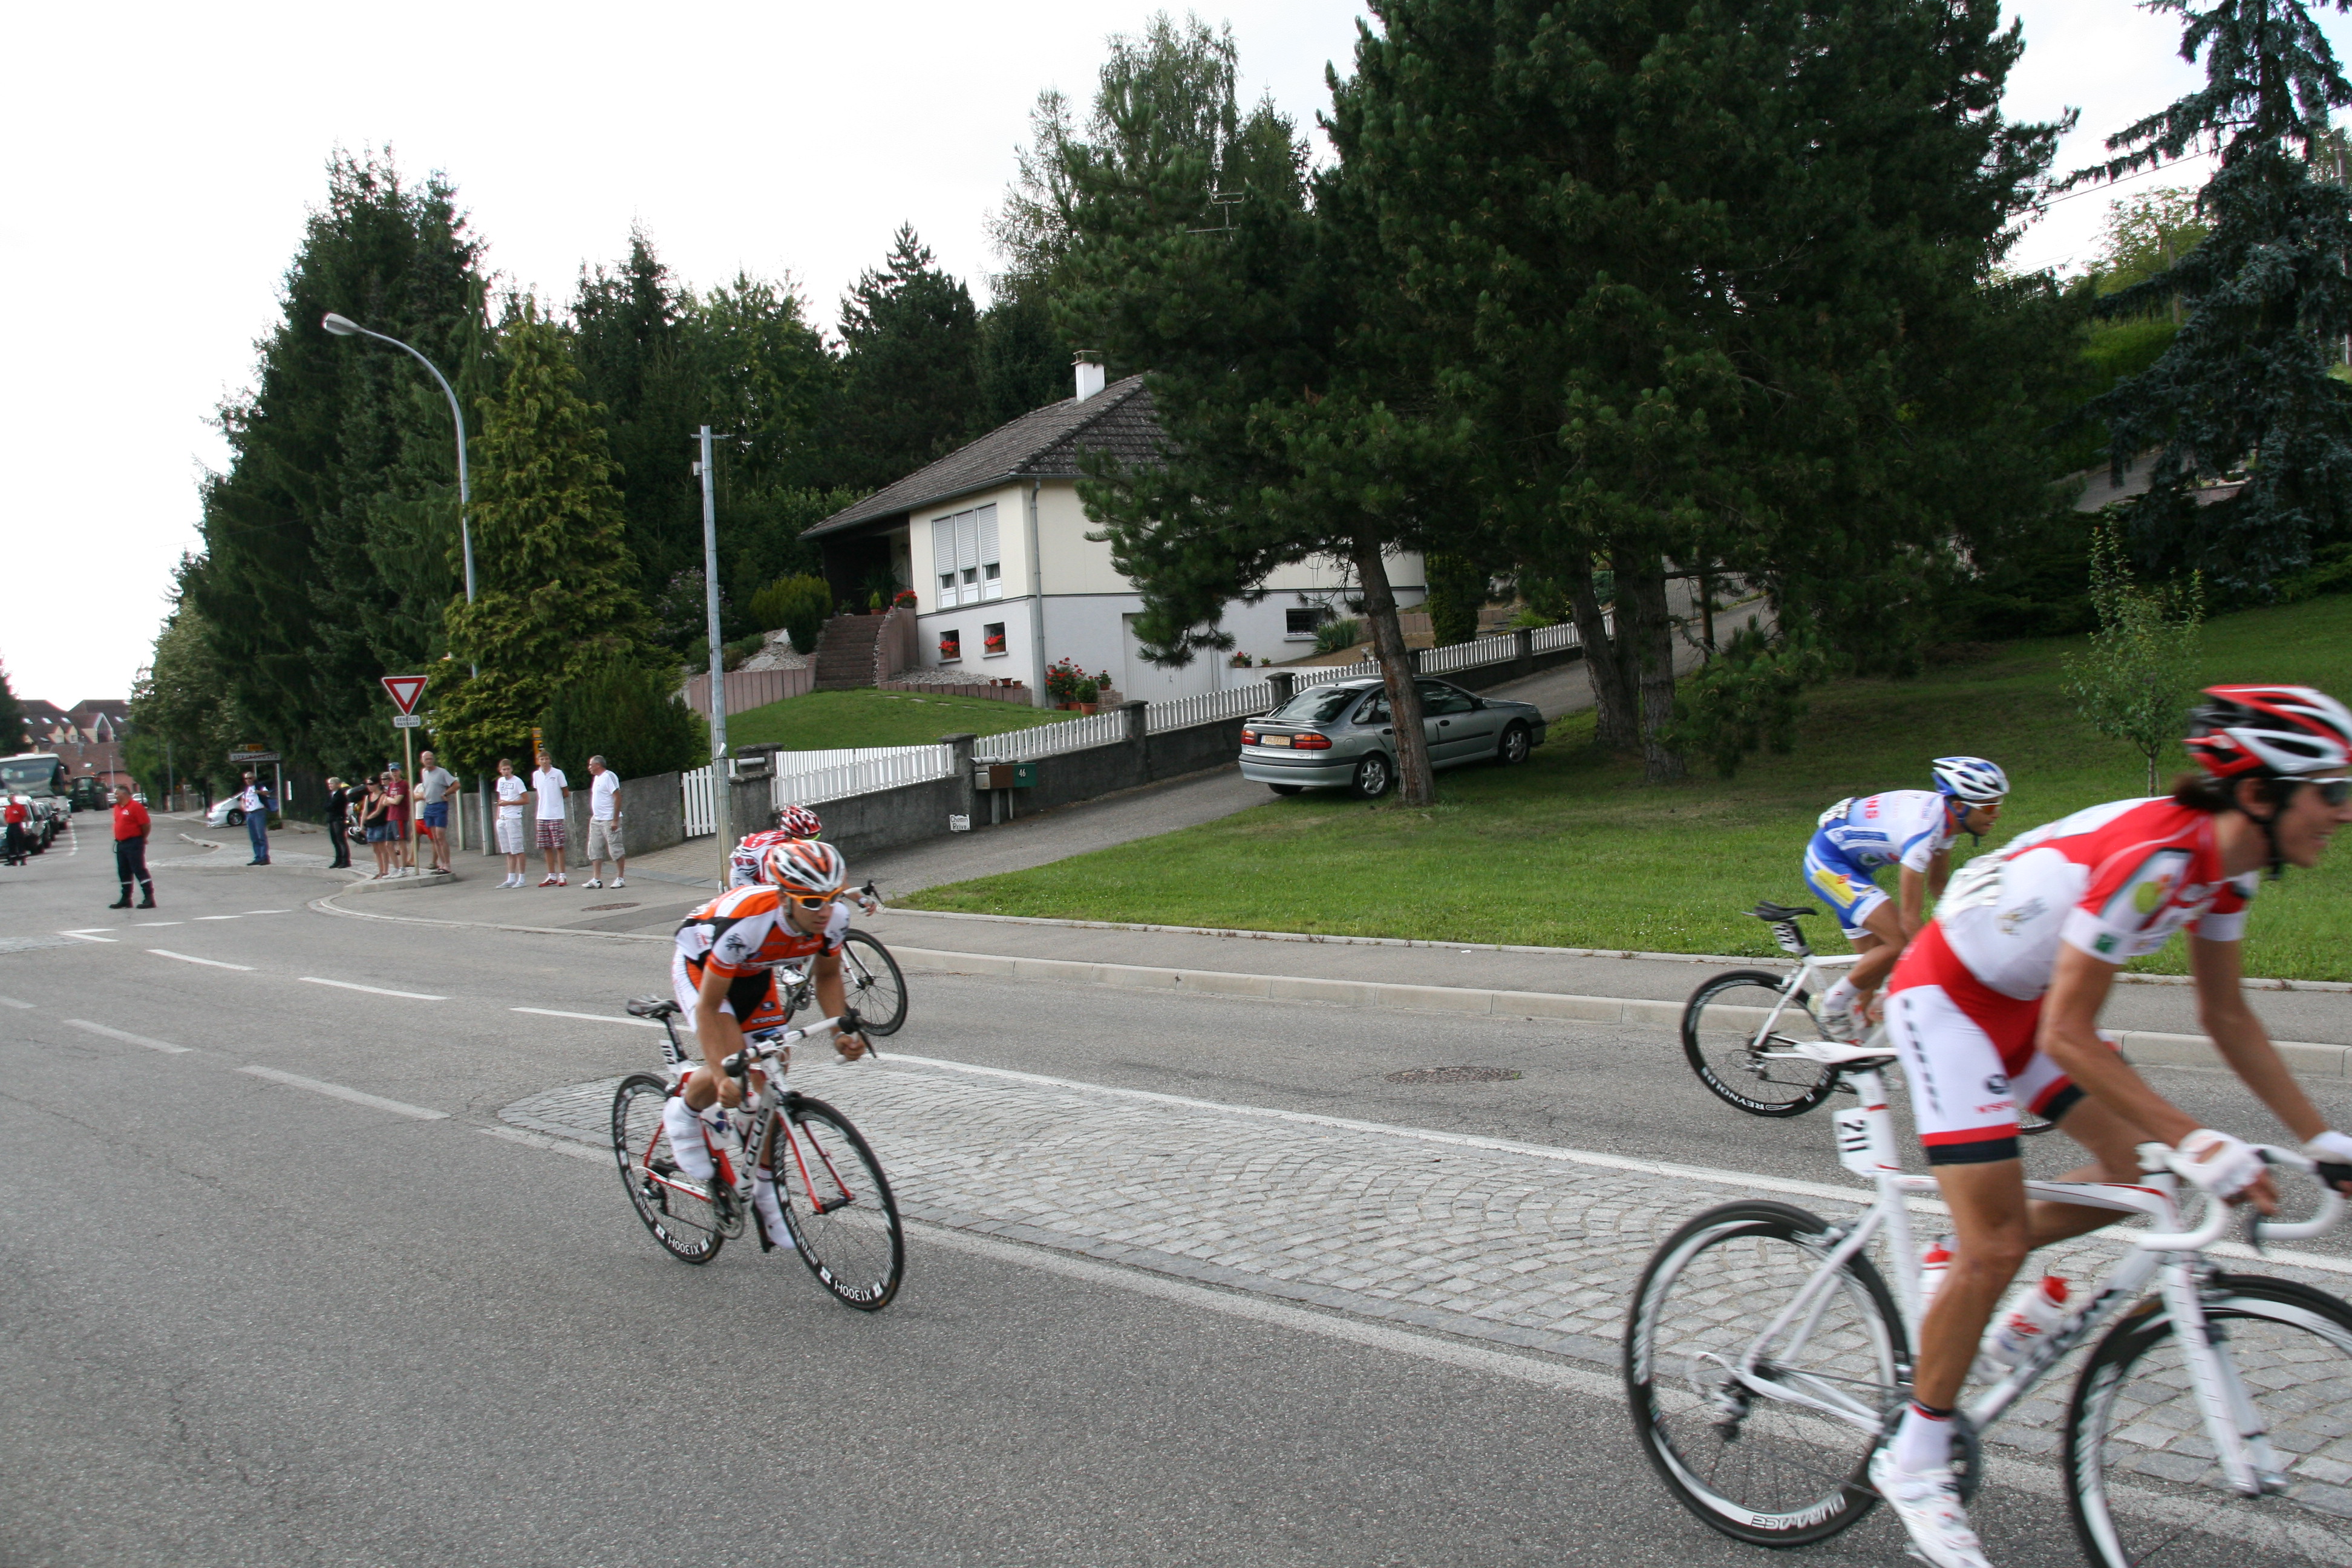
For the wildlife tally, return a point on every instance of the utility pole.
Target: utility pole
(722, 792)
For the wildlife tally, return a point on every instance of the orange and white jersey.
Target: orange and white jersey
(746, 929)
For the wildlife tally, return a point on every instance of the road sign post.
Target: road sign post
(404, 690)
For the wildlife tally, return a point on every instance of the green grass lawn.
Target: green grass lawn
(824, 721)
(1573, 850)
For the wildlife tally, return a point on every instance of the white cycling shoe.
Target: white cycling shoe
(1844, 1024)
(1929, 1507)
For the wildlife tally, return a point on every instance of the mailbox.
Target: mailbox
(1007, 776)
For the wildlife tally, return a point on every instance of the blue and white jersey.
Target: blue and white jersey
(1903, 827)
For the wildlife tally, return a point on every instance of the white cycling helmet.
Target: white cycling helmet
(1974, 779)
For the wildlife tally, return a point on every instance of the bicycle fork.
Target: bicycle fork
(2234, 1425)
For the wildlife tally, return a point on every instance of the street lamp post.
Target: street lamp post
(344, 327)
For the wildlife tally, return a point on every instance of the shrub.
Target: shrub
(1064, 681)
(1332, 637)
(1747, 699)
(796, 605)
(630, 714)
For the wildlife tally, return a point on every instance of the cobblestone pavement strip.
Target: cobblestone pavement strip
(1506, 1244)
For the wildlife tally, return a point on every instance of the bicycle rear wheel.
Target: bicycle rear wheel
(682, 1222)
(2147, 1488)
(1756, 1467)
(1725, 1038)
(838, 1205)
(876, 987)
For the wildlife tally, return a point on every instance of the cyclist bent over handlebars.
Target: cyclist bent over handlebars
(724, 974)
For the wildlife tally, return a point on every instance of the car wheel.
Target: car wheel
(1373, 775)
(236, 819)
(1513, 747)
(1286, 789)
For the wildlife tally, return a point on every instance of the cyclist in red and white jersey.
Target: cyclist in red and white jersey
(1996, 1003)
(723, 971)
(748, 862)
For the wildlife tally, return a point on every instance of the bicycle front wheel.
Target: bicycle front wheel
(1730, 1028)
(680, 1220)
(1737, 1448)
(876, 990)
(837, 1205)
(2147, 1486)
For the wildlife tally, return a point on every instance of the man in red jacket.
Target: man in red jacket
(131, 824)
(17, 819)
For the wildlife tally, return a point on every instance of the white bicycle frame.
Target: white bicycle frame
(1867, 1146)
(1809, 964)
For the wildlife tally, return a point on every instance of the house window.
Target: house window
(965, 557)
(950, 647)
(991, 640)
(1298, 624)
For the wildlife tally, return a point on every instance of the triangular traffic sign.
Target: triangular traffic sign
(405, 690)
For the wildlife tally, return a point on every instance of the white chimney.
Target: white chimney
(1090, 376)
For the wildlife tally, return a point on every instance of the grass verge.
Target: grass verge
(824, 721)
(1573, 850)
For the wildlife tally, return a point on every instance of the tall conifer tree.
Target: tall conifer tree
(911, 392)
(557, 588)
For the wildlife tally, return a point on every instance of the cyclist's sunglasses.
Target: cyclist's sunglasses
(2335, 792)
(813, 901)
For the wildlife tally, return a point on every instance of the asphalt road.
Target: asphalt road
(251, 1323)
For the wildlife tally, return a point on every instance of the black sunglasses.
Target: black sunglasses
(2335, 792)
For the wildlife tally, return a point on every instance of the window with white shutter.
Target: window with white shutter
(992, 572)
(964, 555)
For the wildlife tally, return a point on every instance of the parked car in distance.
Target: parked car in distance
(1339, 736)
(40, 827)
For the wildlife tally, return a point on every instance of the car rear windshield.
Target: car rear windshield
(1316, 705)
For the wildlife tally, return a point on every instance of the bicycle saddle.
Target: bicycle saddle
(652, 1007)
(1776, 913)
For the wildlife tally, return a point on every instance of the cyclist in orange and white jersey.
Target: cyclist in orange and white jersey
(1998, 1002)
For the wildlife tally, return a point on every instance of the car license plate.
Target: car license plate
(1274, 739)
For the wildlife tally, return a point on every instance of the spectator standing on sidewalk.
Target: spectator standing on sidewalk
(372, 826)
(510, 791)
(395, 817)
(604, 825)
(339, 807)
(554, 790)
(257, 803)
(131, 828)
(16, 816)
(433, 782)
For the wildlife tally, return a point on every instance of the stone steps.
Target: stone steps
(845, 652)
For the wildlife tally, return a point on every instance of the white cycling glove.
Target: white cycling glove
(2329, 1149)
(2221, 1165)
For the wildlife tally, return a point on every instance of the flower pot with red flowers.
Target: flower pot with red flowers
(950, 647)
(903, 600)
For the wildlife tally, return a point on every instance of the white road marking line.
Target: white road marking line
(371, 990)
(191, 958)
(338, 1092)
(269, 911)
(89, 934)
(127, 1038)
(220, 917)
(145, 923)
(12, 1002)
(578, 1151)
(589, 1017)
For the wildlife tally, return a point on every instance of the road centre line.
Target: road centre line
(89, 934)
(590, 1018)
(371, 990)
(127, 1038)
(12, 1002)
(145, 925)
(338, 1091)
(191, 958)
(269, 911)
(220, 917)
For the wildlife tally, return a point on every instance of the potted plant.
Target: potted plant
(903, 600)
(950, 647)
(994, 644)
(1239, 662)
(1063, 680)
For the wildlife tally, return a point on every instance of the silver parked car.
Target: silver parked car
(1341, 737)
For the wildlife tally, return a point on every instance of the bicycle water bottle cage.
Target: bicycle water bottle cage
(1783, 919)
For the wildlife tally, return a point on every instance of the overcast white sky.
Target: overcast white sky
(163, 158)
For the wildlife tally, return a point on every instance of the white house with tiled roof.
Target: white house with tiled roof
(992, 539)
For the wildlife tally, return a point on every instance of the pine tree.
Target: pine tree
(11, 716)
(630, 344)
(2267, 302)
(557, 588)
(912, 393)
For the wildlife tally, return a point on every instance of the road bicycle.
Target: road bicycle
(1766, 1357)
(837, 1205)
(1742, 1029)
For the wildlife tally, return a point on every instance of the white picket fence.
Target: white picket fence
(866, 771)
(1052, 739)
(701, 814)
(1208, 707)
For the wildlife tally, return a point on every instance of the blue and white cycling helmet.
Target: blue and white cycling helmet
(1974, 779)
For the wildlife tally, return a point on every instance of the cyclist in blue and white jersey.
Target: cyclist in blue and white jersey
(1912, 828)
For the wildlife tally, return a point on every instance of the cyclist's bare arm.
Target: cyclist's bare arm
(833, 998)
(720, 1038)
(2069, 1036)
(1913, 891)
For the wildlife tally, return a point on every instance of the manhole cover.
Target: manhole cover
(591, 908)
(1454, 1075)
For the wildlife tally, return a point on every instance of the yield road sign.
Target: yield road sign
(405, 690)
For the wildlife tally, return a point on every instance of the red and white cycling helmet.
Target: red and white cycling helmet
(798, 821)
(808, 866)
(2279, 732)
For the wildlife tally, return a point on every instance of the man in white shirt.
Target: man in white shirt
(554, 790)
(433, 782)
(605, 825)
(510, 793)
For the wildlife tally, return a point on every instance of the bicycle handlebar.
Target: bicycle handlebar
(2216, 1222)
(767, 1046)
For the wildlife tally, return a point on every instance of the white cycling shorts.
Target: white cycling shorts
(1964, 1099)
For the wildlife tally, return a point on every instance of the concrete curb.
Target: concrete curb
(2141, 1045)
